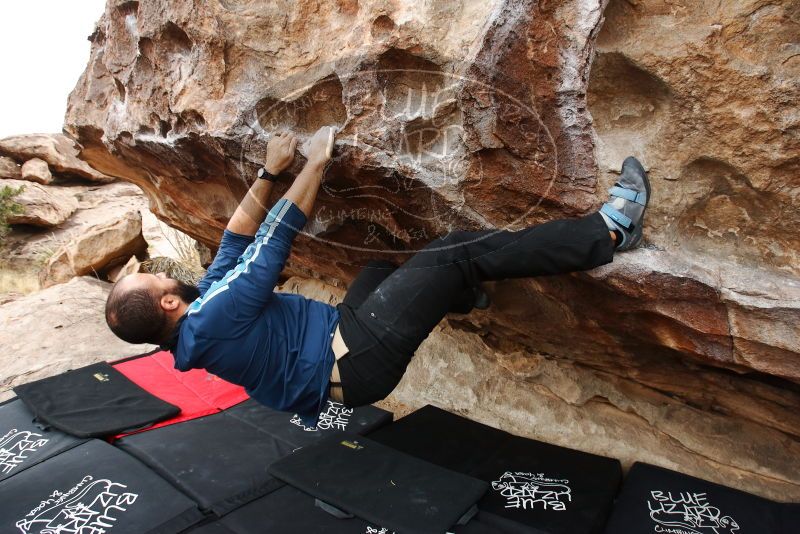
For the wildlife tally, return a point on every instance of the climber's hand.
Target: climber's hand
(319, 148)
(280, 152)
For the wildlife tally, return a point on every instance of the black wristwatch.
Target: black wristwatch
(264, 174)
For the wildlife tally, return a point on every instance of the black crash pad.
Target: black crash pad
(212, 527)
(93, 401)
(535, 486)
(379, 484)
(93, 488)
(221, 460)
(24, 444)
(442, 438)
(654, 499)
(550, 488)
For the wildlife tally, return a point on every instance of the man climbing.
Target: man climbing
(293, 353)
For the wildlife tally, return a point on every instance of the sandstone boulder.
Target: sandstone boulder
(29, 248)
(163, 240)
(130, 267)
(9, 168)
(55, 330)
(96, 250)
(42, 205)
(60, 152)
(36, 170)
(512, 113)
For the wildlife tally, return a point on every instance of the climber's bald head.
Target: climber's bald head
(144, 307)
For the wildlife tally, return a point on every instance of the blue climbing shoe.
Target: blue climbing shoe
(624, 211)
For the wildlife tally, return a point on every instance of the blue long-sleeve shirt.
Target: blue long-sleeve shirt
(278, 346)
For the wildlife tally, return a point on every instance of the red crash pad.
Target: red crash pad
(197, 392)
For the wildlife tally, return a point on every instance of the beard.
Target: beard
(187, 292)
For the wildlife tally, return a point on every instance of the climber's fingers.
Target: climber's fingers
(294, 143)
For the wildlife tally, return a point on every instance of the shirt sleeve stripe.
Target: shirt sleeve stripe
(237, 270)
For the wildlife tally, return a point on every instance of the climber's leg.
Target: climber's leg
(385, 330)
(383, 333)
(370, 276)
(376, 271)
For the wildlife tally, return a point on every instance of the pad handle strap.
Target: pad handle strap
(617, 217)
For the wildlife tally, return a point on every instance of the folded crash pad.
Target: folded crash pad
(92, 488)
(534, 485)
(353, 475)
(654, 499)
(23, 443)
(196, 392)
(93, 401)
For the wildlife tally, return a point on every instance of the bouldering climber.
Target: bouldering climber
(292, 353)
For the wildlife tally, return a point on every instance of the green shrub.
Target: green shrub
(8, 207)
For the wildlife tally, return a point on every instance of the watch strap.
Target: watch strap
(264, 174)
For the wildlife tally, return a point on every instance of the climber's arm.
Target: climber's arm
(230, 248)
(304, 190)
(256, 273)
(238, 298)
(263, 260)
(238, 234)
(253, 207)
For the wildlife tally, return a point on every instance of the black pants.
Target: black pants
(389, 311)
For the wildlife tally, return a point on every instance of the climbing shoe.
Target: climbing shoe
(624, 211)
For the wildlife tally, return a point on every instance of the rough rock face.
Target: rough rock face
(510, 113)
(27, 247)
(99, 249)
(712, 109)
(9, 168)
(36, 170)
(130, 267)
(42, 205)
(57, 150)
(55, 330)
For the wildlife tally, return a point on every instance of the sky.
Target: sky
(43, 51)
